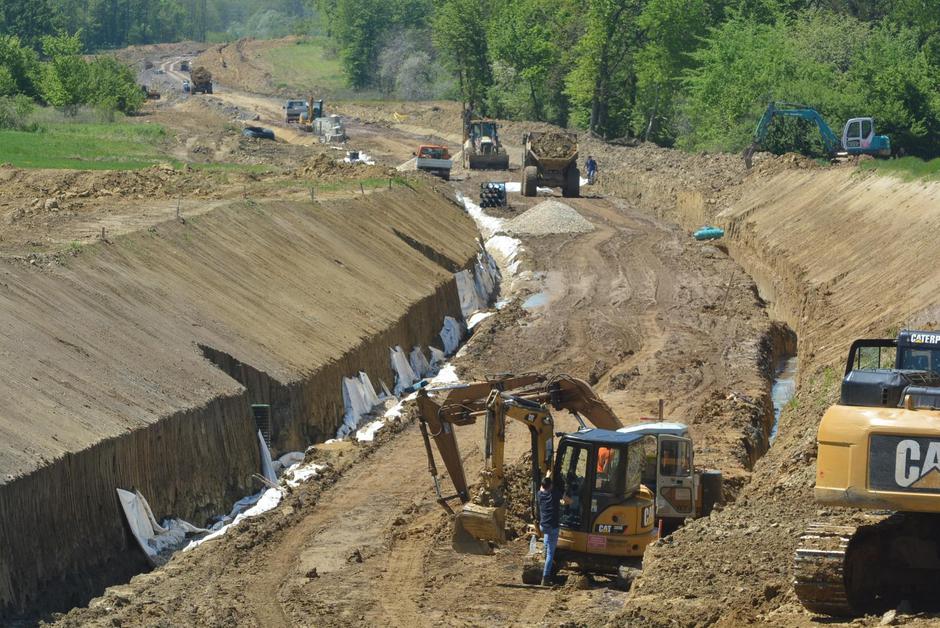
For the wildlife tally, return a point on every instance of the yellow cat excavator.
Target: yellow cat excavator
(610, 517)
(878, 450)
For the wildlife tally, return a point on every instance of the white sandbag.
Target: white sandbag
(368, 391)
(359, 398)
(354, 405)
(404, 376)
(467, 292)
(419, 363)
(268, 500)
(451, 334)
(486, 278)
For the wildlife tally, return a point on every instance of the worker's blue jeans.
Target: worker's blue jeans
(551, 541)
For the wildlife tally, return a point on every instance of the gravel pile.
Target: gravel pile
(547, 218)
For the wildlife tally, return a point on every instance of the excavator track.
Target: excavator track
(820, 569)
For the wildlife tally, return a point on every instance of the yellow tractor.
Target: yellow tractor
(878, 450)
(482, 146)
(610, 517)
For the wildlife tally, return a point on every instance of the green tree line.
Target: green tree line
(60, 76)
(104, 24)
(690, 73)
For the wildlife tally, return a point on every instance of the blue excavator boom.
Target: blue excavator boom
(858, 137)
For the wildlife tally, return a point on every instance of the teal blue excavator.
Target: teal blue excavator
(858, 134)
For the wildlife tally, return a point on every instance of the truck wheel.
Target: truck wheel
(209, 90)
(530, 179)
(572, 188)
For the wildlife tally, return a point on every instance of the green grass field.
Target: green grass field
(84, 146)
(907, 168)
(306, 65)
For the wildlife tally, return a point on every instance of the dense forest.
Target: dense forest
(691, 73)
(104, 24)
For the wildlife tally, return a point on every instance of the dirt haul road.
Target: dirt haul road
(625, 307)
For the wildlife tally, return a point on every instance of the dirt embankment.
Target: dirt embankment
(240, 65)
(840, 256)
(120, 350)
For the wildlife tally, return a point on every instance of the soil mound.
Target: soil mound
(554, 145)
(549, 218)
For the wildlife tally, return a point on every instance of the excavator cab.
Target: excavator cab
(859, 138)
(609, 512)
(878, 449)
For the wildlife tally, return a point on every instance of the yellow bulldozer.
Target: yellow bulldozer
(611, 513)
(878, 450)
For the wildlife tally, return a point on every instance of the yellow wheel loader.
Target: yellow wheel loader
(610, 515)
(482, 146)
(878, 450)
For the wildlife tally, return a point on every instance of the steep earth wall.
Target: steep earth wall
(134, 363)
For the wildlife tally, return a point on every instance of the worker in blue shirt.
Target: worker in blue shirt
(591, 166)
(550, 500)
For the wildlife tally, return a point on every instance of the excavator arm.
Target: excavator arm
(830, 141)
(527, 399)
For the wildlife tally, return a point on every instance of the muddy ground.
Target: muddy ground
(636, 307)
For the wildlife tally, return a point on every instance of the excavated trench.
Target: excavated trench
(779, 348)
(179, 331)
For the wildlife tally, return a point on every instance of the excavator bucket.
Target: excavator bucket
(477, 528)
(489, 162)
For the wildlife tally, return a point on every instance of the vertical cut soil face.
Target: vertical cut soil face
(114, 386)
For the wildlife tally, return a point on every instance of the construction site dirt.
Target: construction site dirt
(635, 306)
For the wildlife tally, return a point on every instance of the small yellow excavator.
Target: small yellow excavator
(611, 515)
(878, 450)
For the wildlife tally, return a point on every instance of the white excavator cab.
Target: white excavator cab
(670, 472)
(675, 478)
(858, 133)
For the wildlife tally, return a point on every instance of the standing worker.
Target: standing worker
(550, 500)
(591, 166)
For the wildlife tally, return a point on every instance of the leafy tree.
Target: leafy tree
(112, 86)
(358, 27)
(64, 78)
(523, 37)
(602, 83)
(672, 29)
(19, 67)
(29, 20)
(459, 33)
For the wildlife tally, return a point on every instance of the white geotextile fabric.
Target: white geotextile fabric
(419, 363)
(404, 375)
(264, 501)
(150, 535)
(358, 399)
(267, 465)
(478, 318)
(451, 333)
(486, 278)
(468, 293)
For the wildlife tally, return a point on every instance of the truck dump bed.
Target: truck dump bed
(552, 149)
